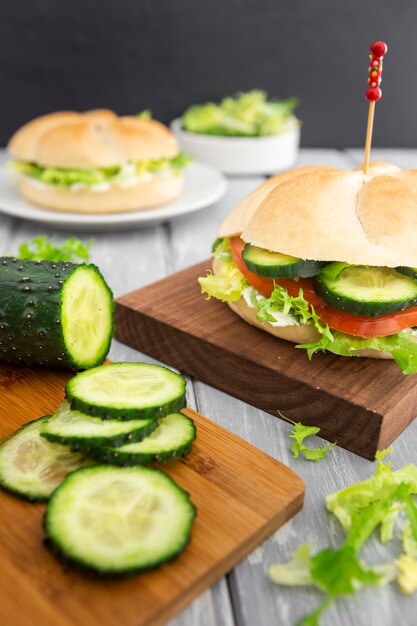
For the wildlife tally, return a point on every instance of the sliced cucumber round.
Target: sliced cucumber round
(408, 271)
(277, 265)
(54, 314)
(118, 520)
(32, 467)
(127, 391)
(82, 431)
(169, 442)
(369, 291)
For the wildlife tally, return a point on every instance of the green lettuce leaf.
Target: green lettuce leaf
(43, 248)
(340, 572)
(146, 114)
(297, 571)
(361, 509)
(299, 432)
(409, 543)
(344, 503)
(244, 115)
(229, 284)
(406, 565)
(281, 301)
(332, 271)
(117, 175)
(402, 346)
(406, 574)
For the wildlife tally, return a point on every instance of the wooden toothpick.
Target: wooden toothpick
(373, 93)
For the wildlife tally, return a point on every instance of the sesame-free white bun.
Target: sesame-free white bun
(329, 214)
(96, 139)
(148, 193)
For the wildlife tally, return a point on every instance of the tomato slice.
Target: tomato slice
(357, 325)
(265, 286)
(367, 327)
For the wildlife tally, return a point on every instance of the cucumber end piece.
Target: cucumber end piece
(87, 317)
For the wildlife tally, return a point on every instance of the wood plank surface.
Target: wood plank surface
(242, 496)
(246, 597)
(172, 321)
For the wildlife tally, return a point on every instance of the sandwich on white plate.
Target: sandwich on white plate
(97, 162)
(326, 258)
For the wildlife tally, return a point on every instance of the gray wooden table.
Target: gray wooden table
(245, 597)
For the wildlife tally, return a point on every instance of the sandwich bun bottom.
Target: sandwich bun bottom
(148, 193)
(296, 334)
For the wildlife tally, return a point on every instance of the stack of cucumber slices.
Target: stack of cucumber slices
(106, 510)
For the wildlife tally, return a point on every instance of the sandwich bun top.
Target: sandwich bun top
(97, 138)
(330, 214)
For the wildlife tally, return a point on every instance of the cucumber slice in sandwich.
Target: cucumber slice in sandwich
(127, 391)
(369, 291)
(82, 432)
(117, 520)
(32, 467)
(54, 313)
(277, 265)
(169, 442)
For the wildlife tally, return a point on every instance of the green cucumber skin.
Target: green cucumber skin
(23, 496)
(104, 573)
(408, 271)
(115, 456)
(129, 459)
(86, 444)
(30, 312)
(151, 413)
(299, 269)
(366, 309)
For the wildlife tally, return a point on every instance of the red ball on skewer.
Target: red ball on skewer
(379, 48)
(373, 94)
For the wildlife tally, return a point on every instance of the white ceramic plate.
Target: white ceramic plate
(203, 186)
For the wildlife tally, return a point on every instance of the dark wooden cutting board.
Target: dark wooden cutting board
(363, 404)
(242, 496)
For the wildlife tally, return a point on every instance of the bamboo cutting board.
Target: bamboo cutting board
(363, 404)
(241, 494)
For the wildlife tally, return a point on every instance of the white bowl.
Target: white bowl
(241, 155)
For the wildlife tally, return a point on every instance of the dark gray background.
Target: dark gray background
(166, 54)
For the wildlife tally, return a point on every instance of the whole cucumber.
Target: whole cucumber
(54, 313)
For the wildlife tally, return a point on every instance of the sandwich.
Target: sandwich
(96, 162)
(326, 258)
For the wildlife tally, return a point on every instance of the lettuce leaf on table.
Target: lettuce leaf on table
(299, 433)
(361, 509)
(43, 248)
